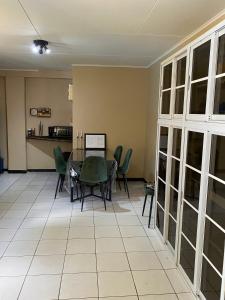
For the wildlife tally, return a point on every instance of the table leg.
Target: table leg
(150, 212)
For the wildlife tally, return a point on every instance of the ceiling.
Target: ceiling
(105, 32)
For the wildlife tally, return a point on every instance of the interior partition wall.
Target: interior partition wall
(190, 169)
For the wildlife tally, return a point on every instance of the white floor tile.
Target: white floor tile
(166, 259)
(112, 262)
(81, 285)
(105, 221)
(128, 220)
(81, 232)
(10, 287)
(76, 246)
(132, 231)
(6, 235)
(28, 234)
(80, 263)
(178, 283)
(143, 261)
(159, 297)
(109, 245)
(3, 246)
(152, 282)
(107, 231)
(137, 244)
(55, 233)
(44, 287)
(82, 221)
(116, 284)
(46, 264)
(21, 248)
(14, 266)
(48, 247)
(186, 296)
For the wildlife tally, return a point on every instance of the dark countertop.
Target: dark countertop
(50, 138)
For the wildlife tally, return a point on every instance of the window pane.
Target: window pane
(214, 245)
(165, 102)
(176, 142)
(163, 139)
(189, 223)
(221, 55)
(160, 219)
(216, 202)
(172, 232)
(161, 193)
(194, 149)
(210, 282)
(192, 187)
(175, 170)
(181, 70)
(201, 61)
(167, 75)
(179, 101)
(217, 158)
(198, 97)
(219, 100)
(173, 203)
(162, 166)
(187, 258)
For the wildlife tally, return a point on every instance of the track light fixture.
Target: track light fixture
(40, 47)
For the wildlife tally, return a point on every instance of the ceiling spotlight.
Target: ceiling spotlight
(41, 47)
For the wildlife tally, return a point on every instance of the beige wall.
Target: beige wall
(3, 123)
(113, 101)
(154, 76)
(15, 95)
(38, 153)
(53, 93)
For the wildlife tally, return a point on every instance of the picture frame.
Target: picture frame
(44, 112)
(95, 141)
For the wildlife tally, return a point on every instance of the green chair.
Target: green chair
(118, 154)
(94, 172)
(123, 169)
(60, 165)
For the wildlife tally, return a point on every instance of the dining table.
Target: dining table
(74, 165)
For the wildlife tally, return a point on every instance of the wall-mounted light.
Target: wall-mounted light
(70, 92)
(40, 47)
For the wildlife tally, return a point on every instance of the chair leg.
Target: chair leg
(59, 178)
(143, 210)
(105, 194)
(127, 186)
(124, 183)
(62, 182)
(118, 179)
(82, 197)
(150, 212)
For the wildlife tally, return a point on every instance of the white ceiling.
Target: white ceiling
(108, 32)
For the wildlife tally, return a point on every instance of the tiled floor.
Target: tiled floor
(50, 250)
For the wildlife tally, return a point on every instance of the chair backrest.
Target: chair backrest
(94, 170)
(60, 162)
(126, 162)
(118, 154)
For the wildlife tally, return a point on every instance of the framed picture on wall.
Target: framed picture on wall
(95, 141)
(44, 112)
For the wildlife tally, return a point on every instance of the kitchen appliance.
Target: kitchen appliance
(60, 131)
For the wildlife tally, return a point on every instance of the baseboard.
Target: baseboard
(17, 171)
(41, 170)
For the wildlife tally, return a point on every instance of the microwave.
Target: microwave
(60, 131)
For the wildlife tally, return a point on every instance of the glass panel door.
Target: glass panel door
(190, 202)
(166, 89)
(161, 178)
(174, 194)
(180, 86)
(199, 79)
(219, 95)
(214, 237)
